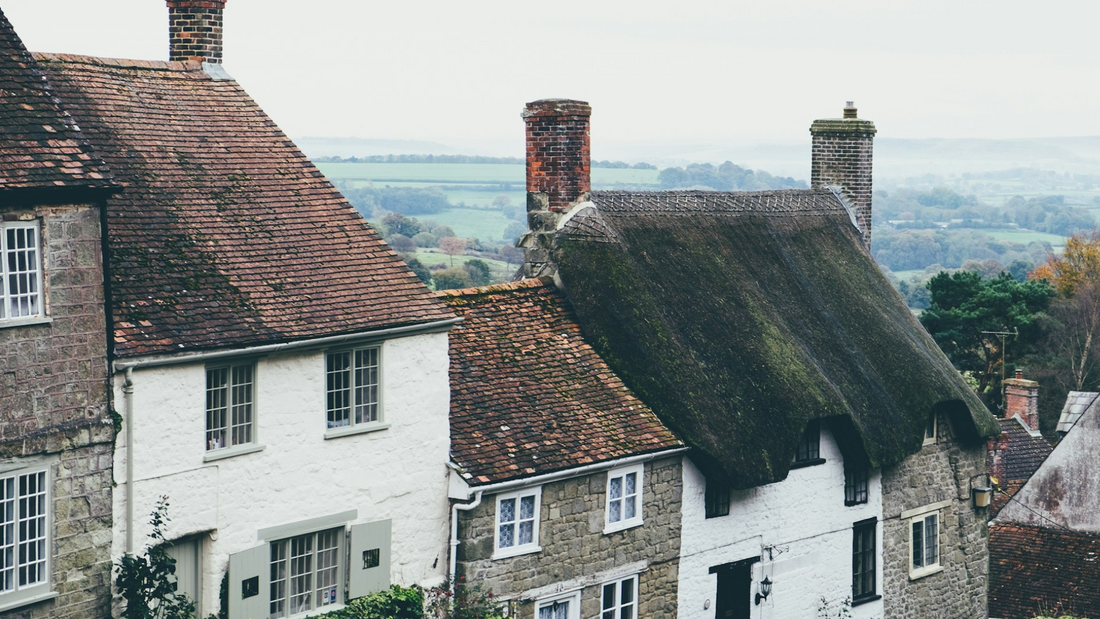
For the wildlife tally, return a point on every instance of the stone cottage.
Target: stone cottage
(833, 446)
(272, 356)
(56, 432)
(567, 487)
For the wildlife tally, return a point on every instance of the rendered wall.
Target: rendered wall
(398, 473)
(576, 552)
(804, 516)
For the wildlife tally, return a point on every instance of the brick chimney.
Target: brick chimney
(1022, 400)
(195, 30)
(842, 159)
(559, 173)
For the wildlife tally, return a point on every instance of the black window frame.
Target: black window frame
(857, 484)
(865, 556)
(808, 451)
(716, 499)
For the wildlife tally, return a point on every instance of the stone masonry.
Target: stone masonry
(195, 30)
(53, 408)
(842, 150)
(574, 545)
(939, 472)
(1022, 400)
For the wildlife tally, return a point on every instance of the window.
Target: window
(352, 387)
(305, 573)
(624, 498)
(864, 553)
(620, 599)
(229, 405)
(20, 271)
(930, 429)
(517, 523)
(855, 484)
(566, 606)
(716, 499)
(24, 536)
(808, 451)
(924, 543)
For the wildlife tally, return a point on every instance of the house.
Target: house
(272, 359)
(567, 487)
(1019, 450)
(56, 432)
(1044, 542)
(834, 448)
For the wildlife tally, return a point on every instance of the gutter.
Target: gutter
(430, 327)
(128, 396)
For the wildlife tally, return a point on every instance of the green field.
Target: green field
(428, 174)
(1024, 237)
(501, 271)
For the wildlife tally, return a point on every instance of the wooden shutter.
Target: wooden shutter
(250, 583)
(369, 563)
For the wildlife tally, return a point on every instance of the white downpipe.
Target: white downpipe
(457, 507)
(128, 396)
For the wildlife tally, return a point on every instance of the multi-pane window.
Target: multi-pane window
(229, 405)
(352, 387)
(20, 271)
(855, 484)
(716, 499)
(864, 572)
(924, 542)
(305, 573)
(561, 607)
(517, 527)
(809, 445)
(930, 429)
(23, 531)
(620, 599)
(624, 498)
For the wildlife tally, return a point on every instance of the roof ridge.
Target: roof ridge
(181, 66)
(534, 282)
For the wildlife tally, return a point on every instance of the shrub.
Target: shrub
(394, 603)
(465, 602)
(147, 582)
(448, 279)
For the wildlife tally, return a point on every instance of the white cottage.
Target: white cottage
(280, 374)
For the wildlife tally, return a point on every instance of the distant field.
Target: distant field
(501, 271)
(471, 173)
(1025, 236)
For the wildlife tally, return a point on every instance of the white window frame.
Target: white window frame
(933, 424)
(926, 567)
(623, 521)
(613, 609)
(573, 598)
(500, 552)
(354, 391)
(29, 277)
(307, 564)
(232, 446)
(12, 593)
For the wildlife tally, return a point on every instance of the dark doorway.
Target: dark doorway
(733, 599)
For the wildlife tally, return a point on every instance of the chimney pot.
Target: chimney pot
(850, 110)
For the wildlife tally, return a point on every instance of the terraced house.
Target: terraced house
(833, 448)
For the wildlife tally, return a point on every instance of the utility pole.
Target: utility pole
(1014, 333)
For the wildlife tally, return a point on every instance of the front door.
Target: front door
(734, 595)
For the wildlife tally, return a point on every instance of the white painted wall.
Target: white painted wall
(399, 473)
(805, 515)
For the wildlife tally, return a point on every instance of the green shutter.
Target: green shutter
(249, 583)
(369, 565)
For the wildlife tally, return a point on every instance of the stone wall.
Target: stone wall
(54, 410)
(575, 551)
(940, 472)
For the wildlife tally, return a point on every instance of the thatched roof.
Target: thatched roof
(740, 317)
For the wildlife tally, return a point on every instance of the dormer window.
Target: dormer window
(855, 484)
(808, 452)
(930, 429)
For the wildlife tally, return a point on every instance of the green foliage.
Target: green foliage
(465, 602)
(418, 267)
(397, 223)
(964, 305)
(726, 177)
(906, 250)
(451, 278)
(394, 603)
(147, 583)
(479, 271)
(842, 611)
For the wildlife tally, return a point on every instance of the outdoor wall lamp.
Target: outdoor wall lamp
(765, 590)
(983, 493)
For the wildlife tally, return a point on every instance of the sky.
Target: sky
(706, 71)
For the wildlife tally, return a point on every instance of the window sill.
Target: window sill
(363, 428)
(865, 599)
(25, 322)
(42, 597)
(925, 571)
(622, 526)
(515, 552)
(801, 464)
(852, 503)
(229, 452)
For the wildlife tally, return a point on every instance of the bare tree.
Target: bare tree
(452, 246)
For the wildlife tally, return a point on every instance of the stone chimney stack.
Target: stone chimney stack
(559, 173)
(195, 30)
(842, 159)
(1022, 400)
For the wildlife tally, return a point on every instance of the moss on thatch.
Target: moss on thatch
(740, 324)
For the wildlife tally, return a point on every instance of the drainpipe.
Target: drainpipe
(128, 397)
(454, 533)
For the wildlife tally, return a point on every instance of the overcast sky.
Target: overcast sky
(684, 70)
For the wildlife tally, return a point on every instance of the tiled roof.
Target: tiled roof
(1076, 404)
(40, 145)
(225, 234)
(1015, 456)
(1034, 569)
(529, 395)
